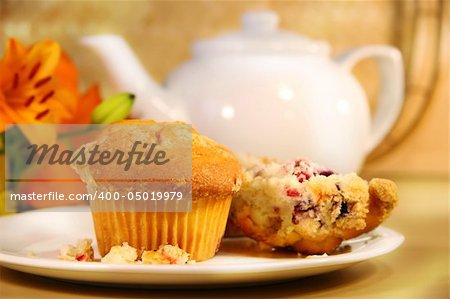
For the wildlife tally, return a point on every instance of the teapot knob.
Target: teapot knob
(264, 21)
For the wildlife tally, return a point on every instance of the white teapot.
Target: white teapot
(267, 92)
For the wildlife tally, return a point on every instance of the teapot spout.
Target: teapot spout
(128, 75)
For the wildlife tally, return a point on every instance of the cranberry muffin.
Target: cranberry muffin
(308, 207)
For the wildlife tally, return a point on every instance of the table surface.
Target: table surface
(418, 269)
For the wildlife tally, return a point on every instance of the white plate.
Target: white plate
(43, 233)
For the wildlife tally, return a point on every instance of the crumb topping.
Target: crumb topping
(304, 169)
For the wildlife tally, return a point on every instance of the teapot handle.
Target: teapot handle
(390, 98)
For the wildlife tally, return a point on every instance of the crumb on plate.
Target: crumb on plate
(315, 256)
(125, 254)
(166, 254)
(121, 254)
(82, 251)
(31, 253)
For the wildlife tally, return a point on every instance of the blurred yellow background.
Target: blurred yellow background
(161, 34)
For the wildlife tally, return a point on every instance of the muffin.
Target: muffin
(215, 176)
(232, 229)
(307, 207)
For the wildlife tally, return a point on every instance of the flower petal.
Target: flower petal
(86, 104)
(9, 115)
(14, 52)
(6, 75)
(66, 73)
(48, 54)
(10, 62)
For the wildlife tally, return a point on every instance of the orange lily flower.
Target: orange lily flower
(39, 84)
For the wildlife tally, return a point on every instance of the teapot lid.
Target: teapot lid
(260, 34)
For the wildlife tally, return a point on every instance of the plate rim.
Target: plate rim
(390, 238)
